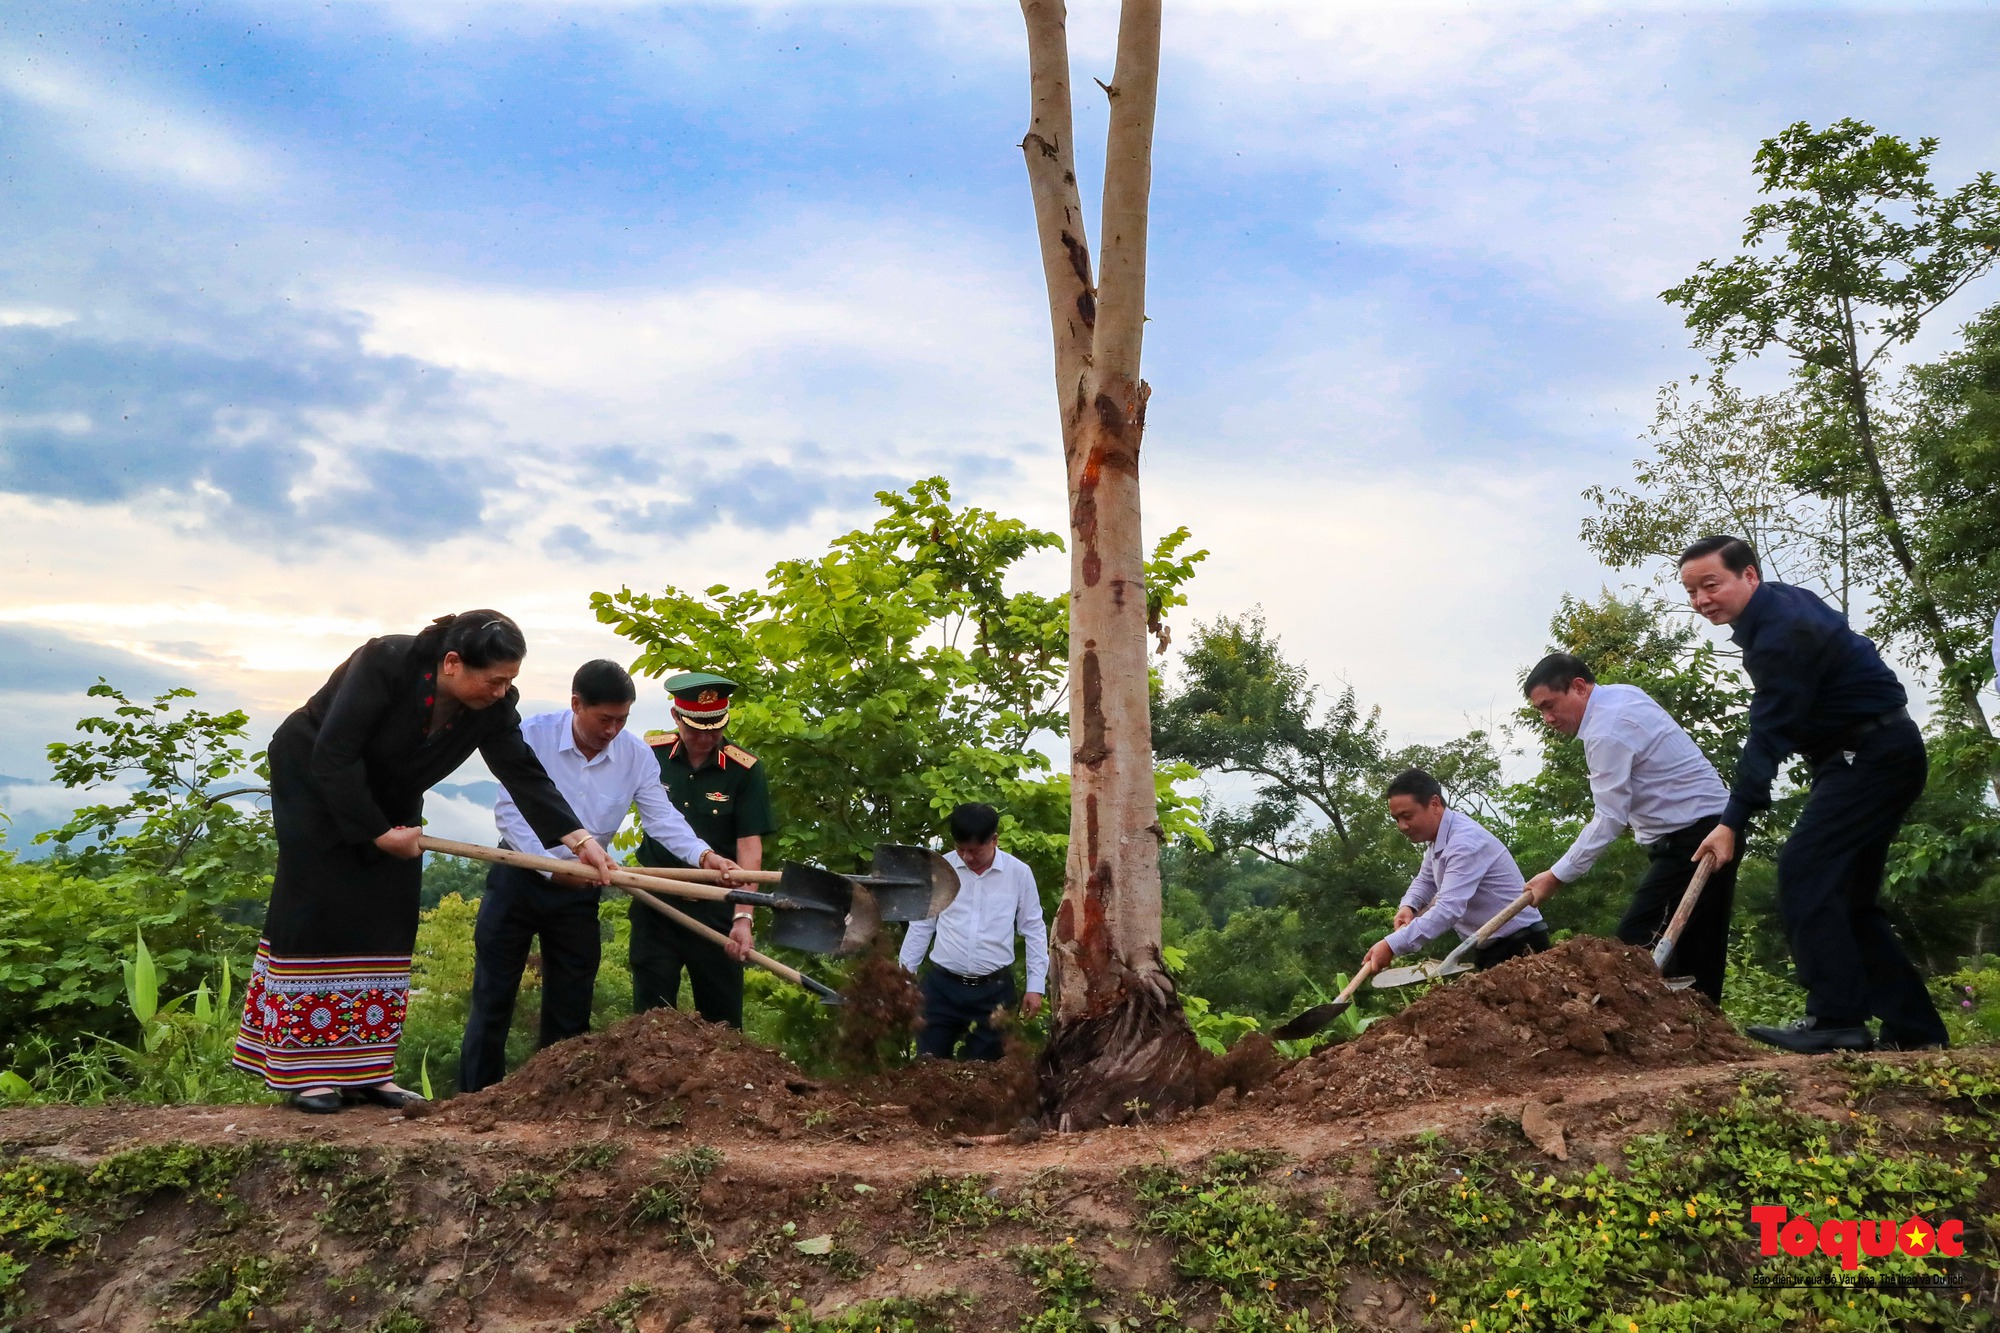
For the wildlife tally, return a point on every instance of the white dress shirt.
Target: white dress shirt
(601, 790)
(975, 935)
(1646, 774)
(1466, 877)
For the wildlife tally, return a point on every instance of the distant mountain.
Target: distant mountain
(479, 793)
(6, 781)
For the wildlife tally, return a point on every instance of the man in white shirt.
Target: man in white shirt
(1466, 877)
(1648, 775)
(971, 943)
(602, 770)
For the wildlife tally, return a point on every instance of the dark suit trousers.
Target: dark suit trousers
(1703, 950)
(955, 1011)
(518, 906)
(1830, 883)
(661, 949)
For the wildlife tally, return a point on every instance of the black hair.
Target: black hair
(1416, 784)
(1737, 554)
(602, 682)
(974, 822)
(1557, 671)
(482, 639)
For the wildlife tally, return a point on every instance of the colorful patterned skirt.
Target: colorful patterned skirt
(314, 1022)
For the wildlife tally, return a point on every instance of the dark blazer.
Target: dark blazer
(354, 763)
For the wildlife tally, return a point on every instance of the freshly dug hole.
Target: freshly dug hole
(1588, 1004)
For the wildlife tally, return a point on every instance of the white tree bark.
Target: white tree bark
(1119, 1028)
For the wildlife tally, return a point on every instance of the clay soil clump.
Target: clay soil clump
(661, 1069)
(1587, 1005)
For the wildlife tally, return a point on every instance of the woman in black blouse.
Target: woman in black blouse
(349, 771)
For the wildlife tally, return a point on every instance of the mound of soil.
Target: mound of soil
(669, 1069)
(661, 1069)
(1587, 1005)
(969, 1097)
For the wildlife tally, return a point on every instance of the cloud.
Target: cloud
(130, 132)
(762, 497)
(571, 542)
(273, 446)
(36, 660)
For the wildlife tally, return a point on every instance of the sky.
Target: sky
(318, 321)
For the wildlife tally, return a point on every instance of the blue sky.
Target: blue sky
(317, 321)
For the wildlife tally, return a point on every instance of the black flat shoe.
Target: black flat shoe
(382, 1095)
(316, 1103)
(1807, 1037)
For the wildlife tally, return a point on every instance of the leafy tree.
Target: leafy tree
(174, 857)
(893, 677)
(178, 821)
(1724, 461)
(1951, 416)
(1870, 249)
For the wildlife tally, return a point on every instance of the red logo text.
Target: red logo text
(1850, 1241)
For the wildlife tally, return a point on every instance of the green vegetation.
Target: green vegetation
(672, 1200)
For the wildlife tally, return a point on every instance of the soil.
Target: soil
(1586, 1006)
(668, 1174)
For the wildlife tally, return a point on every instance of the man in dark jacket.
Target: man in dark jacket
(1824, 692)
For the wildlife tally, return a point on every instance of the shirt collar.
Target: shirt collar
(1745, 626)
(1590, 710)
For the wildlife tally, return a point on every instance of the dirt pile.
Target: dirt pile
(671, 1070)
(661, 1069)
(1587, 1005)
(970, 1097)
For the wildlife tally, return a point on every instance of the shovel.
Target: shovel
(1665, 948)
(819, 912)
(909, 883)
(1321, 1016)
(826, 993)
(1454, 962)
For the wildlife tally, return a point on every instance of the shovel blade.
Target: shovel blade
(1411, 975)
(1314, 1020)
(833, 916)
(1679, 983)
(911, 883)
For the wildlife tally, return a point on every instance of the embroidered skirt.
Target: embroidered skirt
(312, 1022)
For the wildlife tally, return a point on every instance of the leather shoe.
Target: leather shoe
(317, 1103)
(381, 1094)
(1914, 1044)
(1808, 1037)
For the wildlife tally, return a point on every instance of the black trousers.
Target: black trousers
(1534, 939)
(1830, 881)
(518, 906)
(1703, 949)
(955, 1011)
(662, 949)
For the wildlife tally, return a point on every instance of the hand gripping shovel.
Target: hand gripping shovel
(830, 916)
(908, 883)
(1665, 948)
(1320, 1016)
(1454, 962)
(826, 993)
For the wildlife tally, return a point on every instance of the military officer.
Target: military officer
(722, 790)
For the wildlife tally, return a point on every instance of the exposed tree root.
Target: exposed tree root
(1136, 1059)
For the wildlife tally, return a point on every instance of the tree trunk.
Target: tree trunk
(1966, 692)
(1121, 1044)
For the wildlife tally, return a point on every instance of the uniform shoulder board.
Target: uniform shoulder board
(740, 755)
(659, 738)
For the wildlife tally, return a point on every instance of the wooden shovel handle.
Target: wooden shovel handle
(527, 861)
(1703, 869)
(771, 965)
(1501, 918)
(689, 875)
(1347, 992)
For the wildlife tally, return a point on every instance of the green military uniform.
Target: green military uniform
(725, 799)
